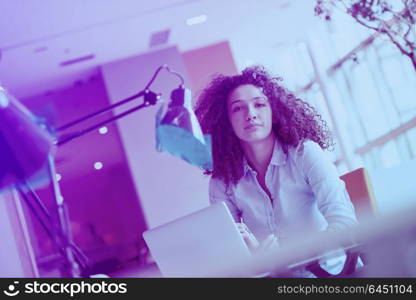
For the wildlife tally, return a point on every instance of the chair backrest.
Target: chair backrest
(360, 190)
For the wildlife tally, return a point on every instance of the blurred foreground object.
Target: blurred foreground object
(24, 145)
(389, 242)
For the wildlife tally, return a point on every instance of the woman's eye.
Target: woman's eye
(236, 108)
(260, 105)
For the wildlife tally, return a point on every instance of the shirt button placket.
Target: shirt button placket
(273, 202)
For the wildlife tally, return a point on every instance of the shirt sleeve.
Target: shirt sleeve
(218, 193)
(329, 190)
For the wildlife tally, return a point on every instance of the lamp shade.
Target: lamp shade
(24, 145)
(179, 133)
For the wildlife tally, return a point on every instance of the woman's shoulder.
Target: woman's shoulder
(218, 188)
(306, 148)
(216, 184)
(307, 154)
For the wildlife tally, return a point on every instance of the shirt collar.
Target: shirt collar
(278, 157)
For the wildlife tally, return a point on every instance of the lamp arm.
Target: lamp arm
(99, 112)
(165, 66)
(150, 98)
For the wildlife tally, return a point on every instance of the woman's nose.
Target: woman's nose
(251, 114)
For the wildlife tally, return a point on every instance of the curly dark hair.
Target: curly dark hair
(293, 120)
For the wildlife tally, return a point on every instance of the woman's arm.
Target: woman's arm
(217, 193)
(329, 190)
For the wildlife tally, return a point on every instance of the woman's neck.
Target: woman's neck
(259, 154)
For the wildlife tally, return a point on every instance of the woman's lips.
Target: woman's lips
(252, 126)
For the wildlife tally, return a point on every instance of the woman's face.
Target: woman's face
(250, 113)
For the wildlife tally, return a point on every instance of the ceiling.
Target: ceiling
(40, 40)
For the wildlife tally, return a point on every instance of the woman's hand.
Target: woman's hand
(248, 237)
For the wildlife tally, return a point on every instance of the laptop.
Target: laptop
(201, 244)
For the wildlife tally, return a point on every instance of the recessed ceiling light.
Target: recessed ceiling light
(103, 130)
(98, 165)
(196, 20)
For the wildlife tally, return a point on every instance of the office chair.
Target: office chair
(361, 193)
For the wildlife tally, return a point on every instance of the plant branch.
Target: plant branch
(366, 25)
(397, 44)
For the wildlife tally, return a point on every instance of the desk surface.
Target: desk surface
(389, 237)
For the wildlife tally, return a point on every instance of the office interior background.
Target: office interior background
(65, 59)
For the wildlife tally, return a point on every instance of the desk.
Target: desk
(390, 240)
(390, 245)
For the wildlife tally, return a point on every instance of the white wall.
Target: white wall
(167, 186)
(394, 188)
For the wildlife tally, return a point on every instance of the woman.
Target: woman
(268, 160)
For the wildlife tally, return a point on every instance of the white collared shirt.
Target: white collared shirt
(307, 195)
